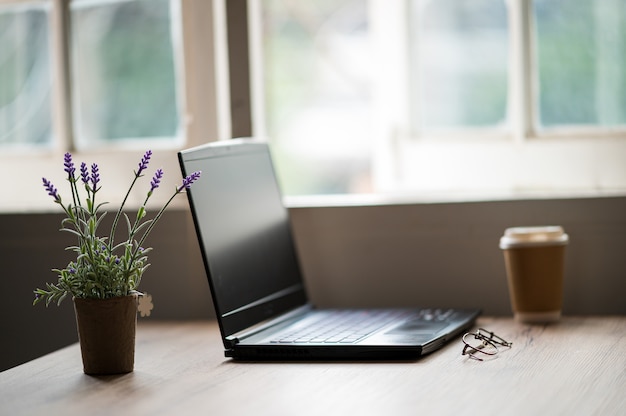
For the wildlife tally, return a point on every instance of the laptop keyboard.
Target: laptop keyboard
(347, 327)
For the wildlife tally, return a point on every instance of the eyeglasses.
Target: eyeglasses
(482, 342)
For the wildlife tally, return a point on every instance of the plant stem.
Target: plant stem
(148, 230)
(119, 213)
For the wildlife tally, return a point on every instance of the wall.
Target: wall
(392, 255)
(447, 254)
(31, 245)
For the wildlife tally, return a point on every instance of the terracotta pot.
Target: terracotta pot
(106, 331)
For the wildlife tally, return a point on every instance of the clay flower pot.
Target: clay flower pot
(106, 331)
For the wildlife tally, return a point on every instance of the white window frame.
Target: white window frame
(205, 84)
(400, 160)
(579, 162)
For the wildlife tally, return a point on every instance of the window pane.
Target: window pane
(25, 75)
(317, 86)
(459, 52)
(124, 74)
(581, 54)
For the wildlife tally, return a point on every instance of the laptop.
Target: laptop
(257, 287)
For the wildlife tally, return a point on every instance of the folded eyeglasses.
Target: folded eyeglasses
(482, 342)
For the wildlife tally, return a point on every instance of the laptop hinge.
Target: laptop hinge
(233, 339)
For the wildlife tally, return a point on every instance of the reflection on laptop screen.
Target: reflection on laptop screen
(244, 230)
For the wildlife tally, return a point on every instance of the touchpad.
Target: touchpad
(418, 327)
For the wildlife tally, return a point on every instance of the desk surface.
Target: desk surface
(575, 367)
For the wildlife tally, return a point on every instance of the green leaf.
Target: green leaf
(100, 219)
(63, 296)
(128, 223)
(141, 213)
(143, 225)
(100, 205)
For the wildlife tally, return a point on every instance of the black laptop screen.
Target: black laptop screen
(244, 233)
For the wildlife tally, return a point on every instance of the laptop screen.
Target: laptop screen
(244, 233)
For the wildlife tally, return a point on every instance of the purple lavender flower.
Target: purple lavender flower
(144, 162)
(52, 191)
(84, 173)
(95, 176)
(156, 180)
(189, 180)
(69, 165)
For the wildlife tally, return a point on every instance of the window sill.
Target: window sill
(23, 192)
(354, 200)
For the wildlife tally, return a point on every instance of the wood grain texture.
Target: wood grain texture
(575, 367)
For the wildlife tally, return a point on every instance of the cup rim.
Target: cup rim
(533, 236)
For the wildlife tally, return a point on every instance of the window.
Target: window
(124, 71)
(107, 80)
(581, 51)
(123, 74)
(317, 59)
(25, 75)
(449, 98)
(450, 87)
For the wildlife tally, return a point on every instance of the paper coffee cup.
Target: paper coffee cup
(534, 259)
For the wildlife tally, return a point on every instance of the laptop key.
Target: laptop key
(343, 327)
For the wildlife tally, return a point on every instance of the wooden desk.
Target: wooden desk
(575, 367)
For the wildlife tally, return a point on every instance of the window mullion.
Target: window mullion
(521, 83)
(239, 64)
(205, 71)
(388, 28)
(257, 75)
(62, 108)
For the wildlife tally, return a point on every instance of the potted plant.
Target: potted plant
(104, 277)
